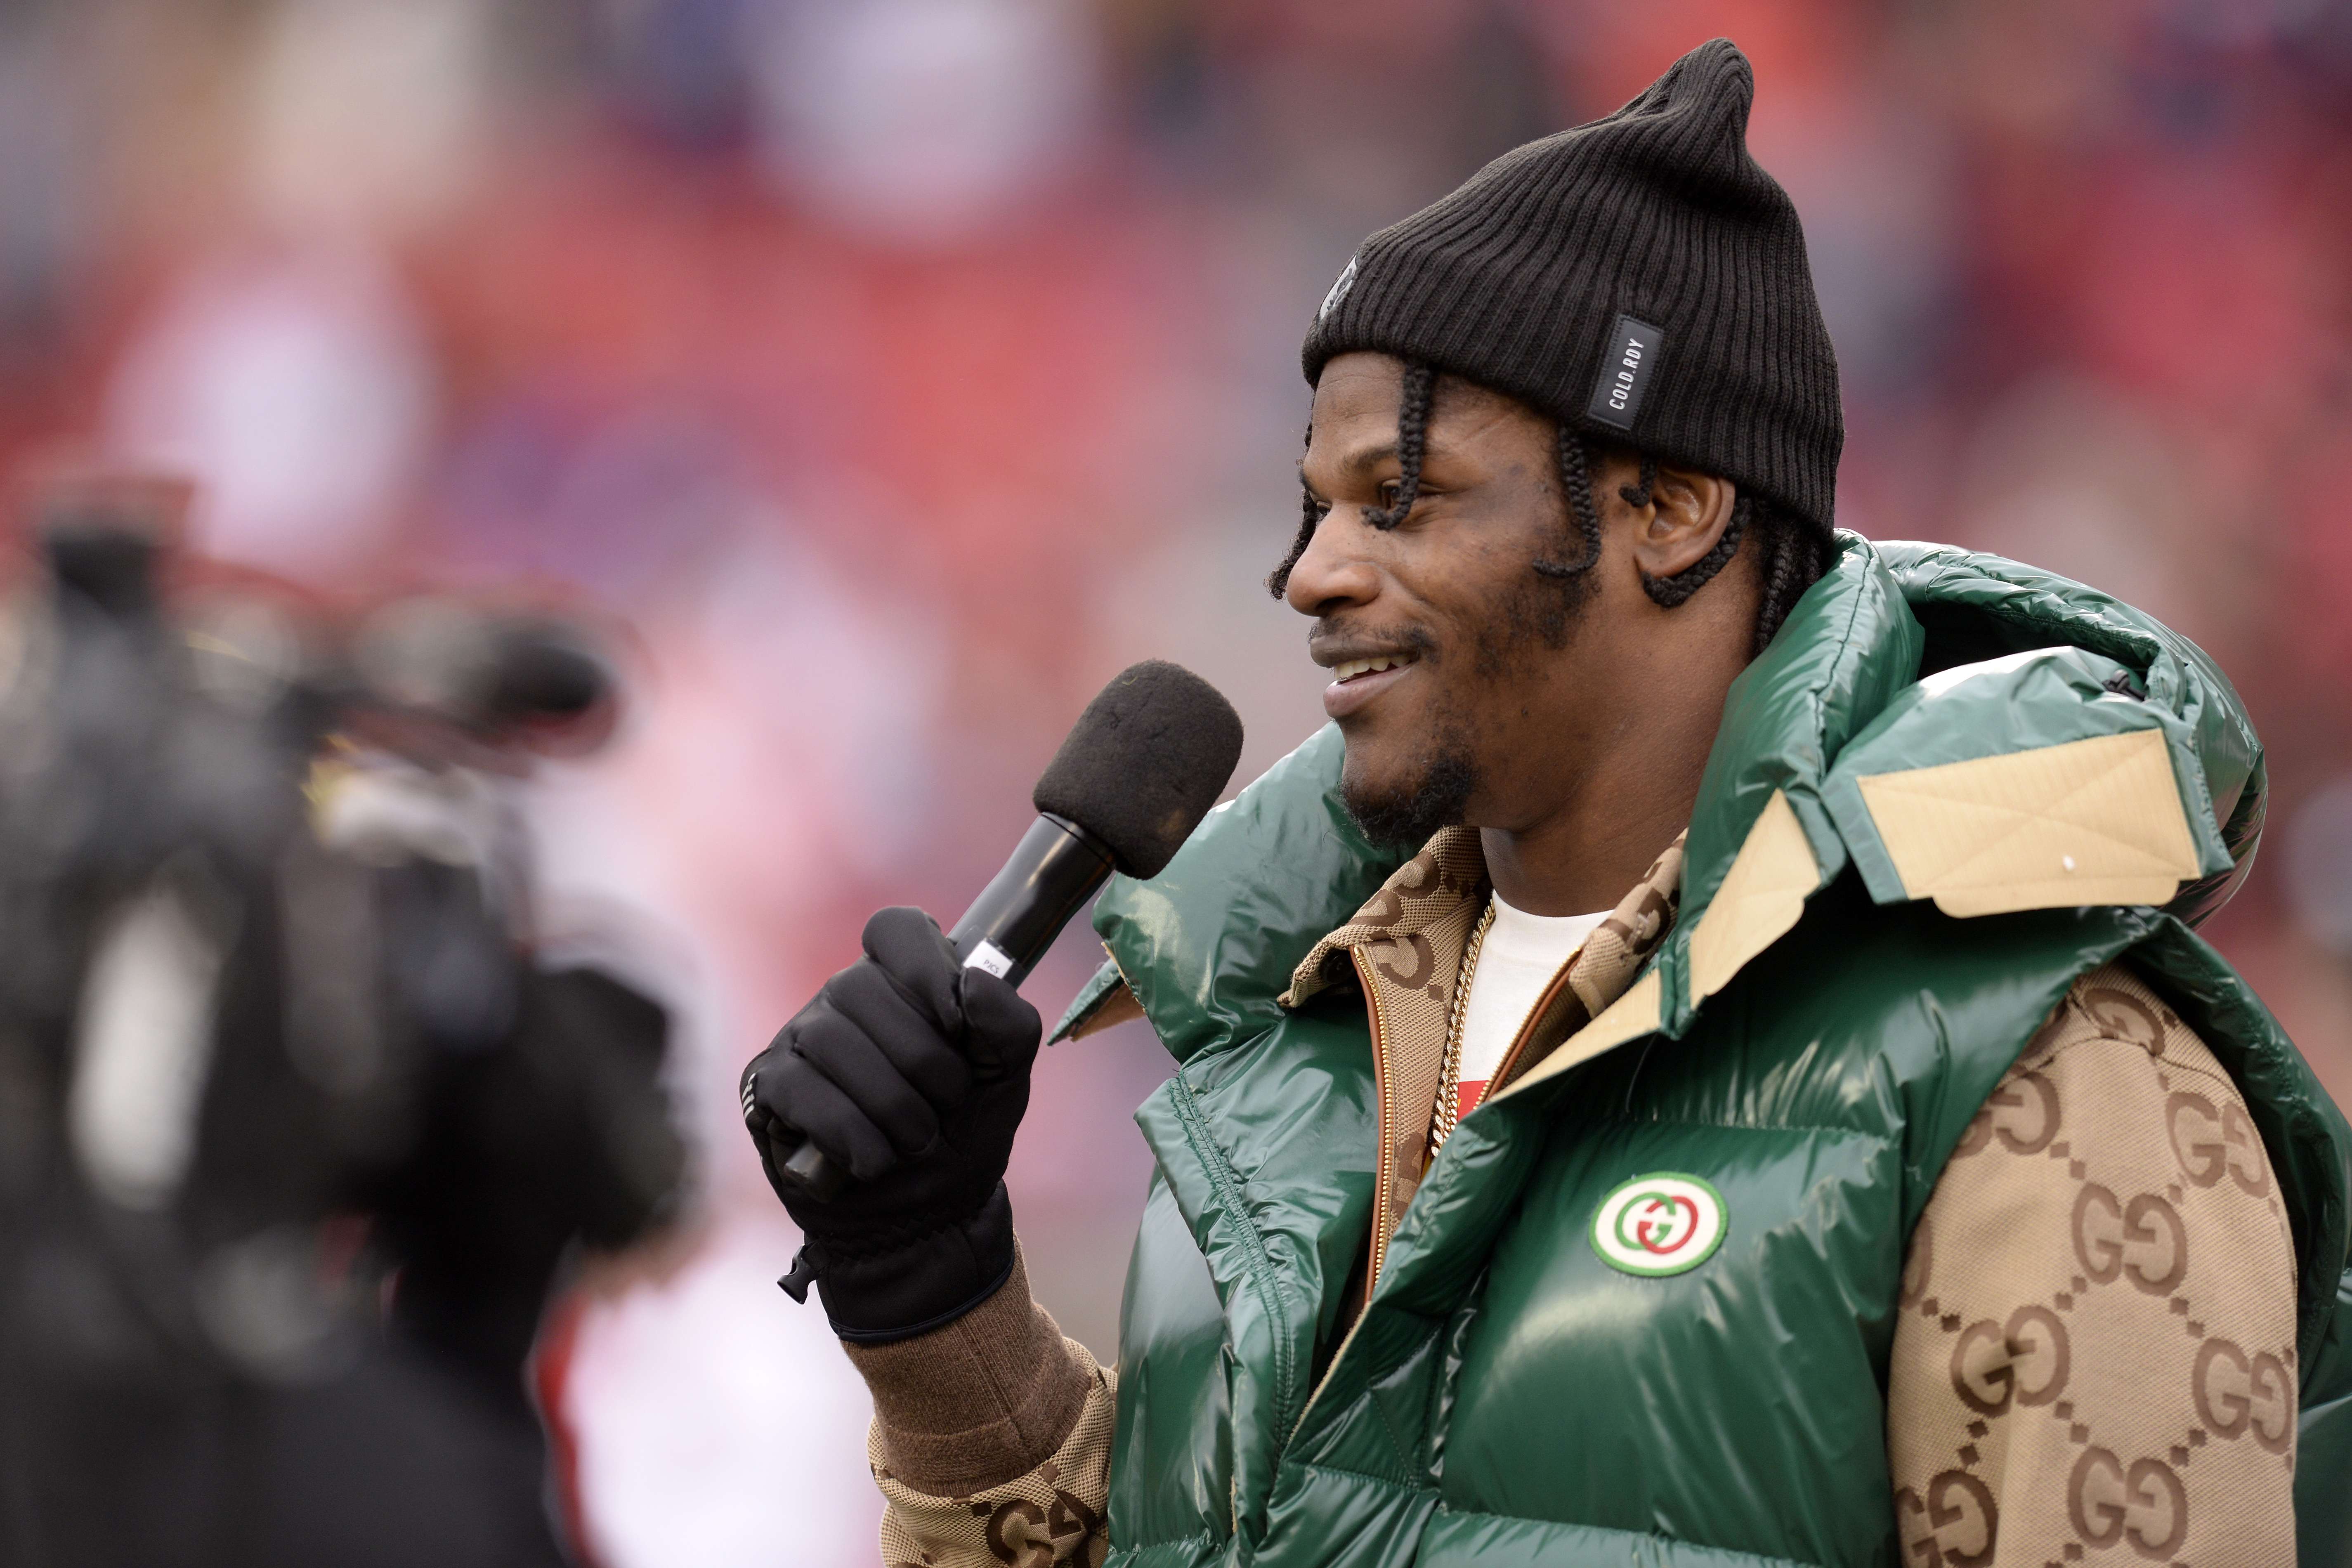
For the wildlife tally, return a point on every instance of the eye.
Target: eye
(1388, 491)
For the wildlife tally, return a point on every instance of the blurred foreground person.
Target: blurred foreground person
(1707, 1062)
(298, 1136)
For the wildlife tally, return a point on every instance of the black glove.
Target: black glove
(913, 1071)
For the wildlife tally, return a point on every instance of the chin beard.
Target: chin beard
(1408, 813)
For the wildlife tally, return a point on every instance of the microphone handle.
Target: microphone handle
(1051, 874)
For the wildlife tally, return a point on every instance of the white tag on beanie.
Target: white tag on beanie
(1338, 291)
(1633, 351)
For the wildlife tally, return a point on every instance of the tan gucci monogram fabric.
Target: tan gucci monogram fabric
(1051, 1516)
(2095, 1361)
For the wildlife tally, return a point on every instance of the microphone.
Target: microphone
(1134, 776)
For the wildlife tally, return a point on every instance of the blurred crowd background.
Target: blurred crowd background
(895, 371)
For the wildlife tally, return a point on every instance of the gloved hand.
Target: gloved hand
(913, 1071)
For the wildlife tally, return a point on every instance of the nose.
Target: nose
(1334, 573)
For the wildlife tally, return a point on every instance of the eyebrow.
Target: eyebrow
(1372, 456)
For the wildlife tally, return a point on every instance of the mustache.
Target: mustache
(1330, 628)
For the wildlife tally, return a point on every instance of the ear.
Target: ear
(1686, 515)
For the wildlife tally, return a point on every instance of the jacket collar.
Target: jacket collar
(1401, 924)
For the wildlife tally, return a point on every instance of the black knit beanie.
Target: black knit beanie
(1639, 279)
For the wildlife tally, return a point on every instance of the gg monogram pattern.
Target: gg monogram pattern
(1396, 931)
(2095, 1358)
(1406, 945)
(1052, 1516)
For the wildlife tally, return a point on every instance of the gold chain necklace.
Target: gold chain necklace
(1447, 1111)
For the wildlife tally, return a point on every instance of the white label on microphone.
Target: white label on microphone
(990, 958)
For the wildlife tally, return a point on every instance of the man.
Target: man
(1780, 1114)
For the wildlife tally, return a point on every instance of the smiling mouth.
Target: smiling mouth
(1352, 669)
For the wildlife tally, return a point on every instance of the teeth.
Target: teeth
(1356, 667)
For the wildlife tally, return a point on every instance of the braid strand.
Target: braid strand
(1576, 478)
(1640, 494)
(1672, 591)
(1413, 443)
(1310, 513)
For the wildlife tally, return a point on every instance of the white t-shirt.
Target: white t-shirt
(1521, 953)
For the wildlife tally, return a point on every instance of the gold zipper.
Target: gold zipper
(1384, 1172)
(1385, 1167)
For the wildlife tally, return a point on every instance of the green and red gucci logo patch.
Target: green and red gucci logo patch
(1665, 1223)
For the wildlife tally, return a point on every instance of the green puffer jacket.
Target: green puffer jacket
(1951, 787)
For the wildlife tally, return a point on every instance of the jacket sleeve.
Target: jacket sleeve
(2095, 1346)
(991, 1438)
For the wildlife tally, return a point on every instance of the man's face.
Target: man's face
(1470, 687)
(1438, 631)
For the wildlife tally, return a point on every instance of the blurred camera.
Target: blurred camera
(297, 1133)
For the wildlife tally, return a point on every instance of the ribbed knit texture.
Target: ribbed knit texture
(979, 1402)
(1516, 281)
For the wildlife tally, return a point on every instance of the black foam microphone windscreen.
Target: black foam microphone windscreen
(1144, 764)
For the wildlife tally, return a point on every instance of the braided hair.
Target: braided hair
(1669, 592)
(1420, 394)
(1310, 513)
(1413, 442)
(1796, 557)
(1795, 553)
(1576, 480)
